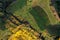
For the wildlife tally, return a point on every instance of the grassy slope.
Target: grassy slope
(45, 5)
(40, 16)
(22, 11)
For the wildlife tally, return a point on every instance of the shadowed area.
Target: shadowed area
(40, 16)
(5, 15)
(56, 5)
(3, 5)
(54, 29)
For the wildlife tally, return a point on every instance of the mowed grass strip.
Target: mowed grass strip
(45, 4)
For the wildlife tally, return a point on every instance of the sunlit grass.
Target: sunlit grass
(45, 4)
(24, 12)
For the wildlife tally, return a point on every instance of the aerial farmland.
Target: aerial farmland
(29, 20)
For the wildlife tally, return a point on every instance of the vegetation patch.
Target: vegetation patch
(40, 16)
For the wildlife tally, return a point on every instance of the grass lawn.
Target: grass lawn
(23, 12)
(45, 5)
(40, 16)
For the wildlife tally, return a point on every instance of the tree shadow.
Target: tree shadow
(56, 5)
(3, 15)
(3, 6)
(54, 29)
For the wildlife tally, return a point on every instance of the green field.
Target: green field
(40, 16)
(24, 13)
(37, 18)
(45, 5)
(34, 17)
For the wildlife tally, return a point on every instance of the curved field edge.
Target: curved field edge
(40, 16)
(23, 12)
(45, 5)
